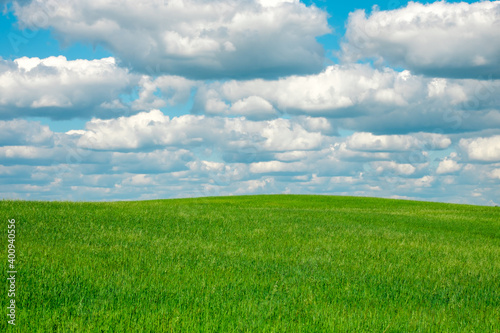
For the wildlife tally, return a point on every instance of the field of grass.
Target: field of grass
(254, 264)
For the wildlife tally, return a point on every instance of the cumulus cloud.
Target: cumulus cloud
(495, 174)
(362, 98)
(129, 161)
(331, 92)
(482, 149)
(191, 38)
(61, 89)
(153, 129)
(343, 153)
(368, 142)
(139, 180)
(391, 166)
(282, 123)
(163, 91)
(440, 39)
(448, 165)
(24, 152)
(158, 161)
(254, 107)
(277, 166)
(146, 129)
(21, 132)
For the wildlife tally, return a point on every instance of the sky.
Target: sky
(151, 99)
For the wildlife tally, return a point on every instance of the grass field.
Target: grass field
(254, 264)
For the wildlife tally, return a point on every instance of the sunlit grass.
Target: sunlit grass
(256, 263)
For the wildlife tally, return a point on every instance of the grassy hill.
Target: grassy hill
(256, 264)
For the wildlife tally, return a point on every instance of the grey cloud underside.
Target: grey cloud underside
(248, 62)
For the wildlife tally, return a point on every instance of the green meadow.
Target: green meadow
(279, 263)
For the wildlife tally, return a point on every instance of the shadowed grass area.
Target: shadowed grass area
(255, 263)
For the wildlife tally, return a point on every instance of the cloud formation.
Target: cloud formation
(448, 165)
(333, 91)
(362, 98)
(160, 156)
(369, 142)
(482, 149)
(20, 132)
(191, 38)
(154, 129)
(440, 39)
(58, 88)
(233, 97)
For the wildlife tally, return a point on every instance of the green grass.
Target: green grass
(255, 264)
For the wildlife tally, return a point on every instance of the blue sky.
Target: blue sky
(126, 100)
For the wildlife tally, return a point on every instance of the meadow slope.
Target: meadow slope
(279, 263)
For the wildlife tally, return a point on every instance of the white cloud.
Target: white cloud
(448, 165)
(21, 132)
(317, 124)
(368, 142)
(277, 166)
(138, 180)
(190, 170)
(495, 174)
(400, 169)
(157, 161)
(153, 129)
(362, 98)
(286, 136)
(291, 156)
(482, 149)
(59, 88)
(335, 88)
(193, 38)
(254, 107)
(25, 152)
(433, 141)
(264, 185)
(146, 129)
(282, 135)
(425, 181)
(438, 39)
(342, 152)
(163, 91)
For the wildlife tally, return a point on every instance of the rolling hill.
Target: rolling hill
(283, 263)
